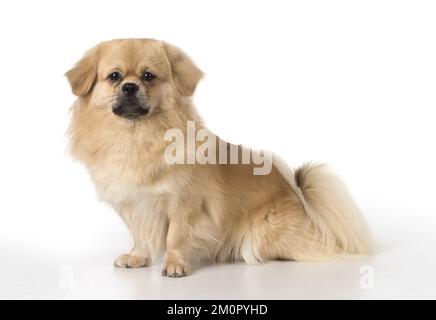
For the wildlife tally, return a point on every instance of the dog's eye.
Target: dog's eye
(148, 76)
(114, 76)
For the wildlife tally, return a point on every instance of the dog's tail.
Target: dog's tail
(337, 222)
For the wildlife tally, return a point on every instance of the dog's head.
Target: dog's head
(133, 78)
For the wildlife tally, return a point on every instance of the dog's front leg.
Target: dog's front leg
(178, 239)
(139, 256)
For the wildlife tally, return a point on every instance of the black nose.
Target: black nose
(130, 89)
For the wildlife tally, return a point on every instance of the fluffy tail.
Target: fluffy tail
(332, 210)
(338, 225)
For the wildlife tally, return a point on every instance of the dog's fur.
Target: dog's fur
(222, 212)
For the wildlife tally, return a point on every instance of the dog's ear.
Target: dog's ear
(83, 75)
(185, 73)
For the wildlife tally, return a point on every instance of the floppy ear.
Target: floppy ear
(184, 72)
(82, 76)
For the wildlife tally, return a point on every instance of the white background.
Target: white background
(350, 83)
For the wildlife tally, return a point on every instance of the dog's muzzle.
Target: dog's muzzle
(130, 110)
(128, 105)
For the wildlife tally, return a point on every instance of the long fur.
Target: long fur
(218, 211)
(337, 220)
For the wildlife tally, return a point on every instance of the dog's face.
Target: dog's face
(133, 78)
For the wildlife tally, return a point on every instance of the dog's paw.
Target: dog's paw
(175, 270)
(131, 261)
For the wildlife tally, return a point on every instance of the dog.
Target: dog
(131, 93)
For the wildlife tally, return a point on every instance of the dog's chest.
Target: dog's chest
(120, 185)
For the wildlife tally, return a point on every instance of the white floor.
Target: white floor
(404, 268)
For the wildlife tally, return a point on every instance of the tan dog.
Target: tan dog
(131, 92)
